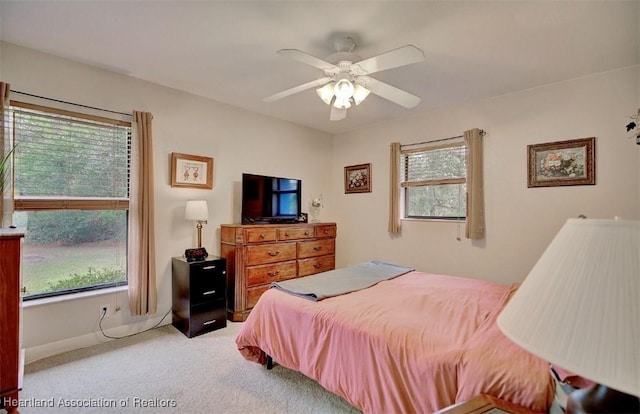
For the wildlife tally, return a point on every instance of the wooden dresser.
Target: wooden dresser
(10, 311)
(259, 254)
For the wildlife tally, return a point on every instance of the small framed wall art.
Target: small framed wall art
(191, 171)
(562, 163)
(357, 178)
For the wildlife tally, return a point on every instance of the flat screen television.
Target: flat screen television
(270, 199)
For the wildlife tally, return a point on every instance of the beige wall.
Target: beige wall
(520, 221)
(239, 141)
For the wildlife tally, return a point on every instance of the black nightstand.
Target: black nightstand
(199, 295)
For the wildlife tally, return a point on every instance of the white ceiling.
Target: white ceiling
(226, 50)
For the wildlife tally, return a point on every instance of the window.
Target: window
(433, 181)
(285, 196)
(72, 198)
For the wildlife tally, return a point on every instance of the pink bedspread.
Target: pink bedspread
(412, 344)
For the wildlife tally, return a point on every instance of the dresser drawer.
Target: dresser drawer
(207, 317)
(208, 268)
(208, 290)
(295, 233)
(260, 235)
(207, 282)
(259, 275)
(254, 293)
(316, 248)
(270, 253)
(327, 230)
(308, 267)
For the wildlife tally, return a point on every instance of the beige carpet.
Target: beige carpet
(162, 371)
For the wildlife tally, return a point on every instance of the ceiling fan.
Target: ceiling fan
(346, 81)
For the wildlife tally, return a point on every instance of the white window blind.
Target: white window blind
(434, 181)
(69, 160)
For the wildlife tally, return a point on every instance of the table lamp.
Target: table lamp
(579, 309)
(197, 211)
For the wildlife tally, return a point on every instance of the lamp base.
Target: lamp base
(601, 399)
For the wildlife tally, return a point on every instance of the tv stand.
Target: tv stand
(258, 254)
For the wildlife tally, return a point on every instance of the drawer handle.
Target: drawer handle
(317, 248)
(317, 265)
(262, 236)
(208, 267)
(306, 233)
(209, 292)
(326, 232)
(286, 234)
(209, 322)
(270, 253)
(276, 273)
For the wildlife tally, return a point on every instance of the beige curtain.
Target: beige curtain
(141, 252)
(394, 189)
(6, 193)
(475, 189)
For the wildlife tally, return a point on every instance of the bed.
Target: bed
(414, 343)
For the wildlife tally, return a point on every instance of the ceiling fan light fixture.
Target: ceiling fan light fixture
(343, 89)
(342, 103)
(326, 93)
(360, 93)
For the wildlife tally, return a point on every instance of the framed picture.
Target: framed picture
(191, 171)
(561, 163)
(357, 179)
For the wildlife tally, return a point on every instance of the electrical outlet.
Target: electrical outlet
(106, 310)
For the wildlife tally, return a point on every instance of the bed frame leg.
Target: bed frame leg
(269, 362)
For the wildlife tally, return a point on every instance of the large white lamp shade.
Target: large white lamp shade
(579, 307)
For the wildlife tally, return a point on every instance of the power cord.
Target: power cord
(104, 313)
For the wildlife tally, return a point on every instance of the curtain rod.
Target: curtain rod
(438, 140)
(70, 103)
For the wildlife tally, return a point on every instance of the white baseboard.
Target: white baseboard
(35, 353)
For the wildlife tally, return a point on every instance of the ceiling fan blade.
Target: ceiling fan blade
(391, 93)
(303, 57)
(404, 55)
(296, 89)
(337, 114)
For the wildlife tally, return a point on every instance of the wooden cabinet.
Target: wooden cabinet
(199, 295)
(258, 254)
(10, 311)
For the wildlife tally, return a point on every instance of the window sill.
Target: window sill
(72, 296)
(457, 221)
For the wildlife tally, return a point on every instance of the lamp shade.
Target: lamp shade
(196, 210)
(360, 93)
(343, 89)
(579, 307)
(326, 93)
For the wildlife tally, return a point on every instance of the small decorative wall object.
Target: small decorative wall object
(633, 125)
(316, 205)
(191, 171)
(562, 163)
(357, 178)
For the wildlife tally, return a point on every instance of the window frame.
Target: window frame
(37, 203)
(405, 184)
(279, 194)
